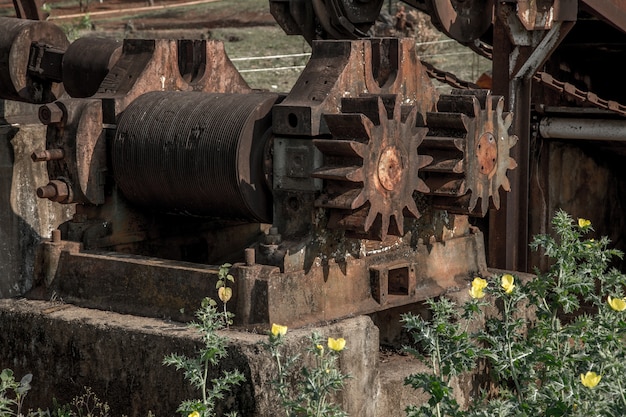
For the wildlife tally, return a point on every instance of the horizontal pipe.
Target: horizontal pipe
(585, 129)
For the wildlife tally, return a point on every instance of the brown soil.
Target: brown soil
(190, 17)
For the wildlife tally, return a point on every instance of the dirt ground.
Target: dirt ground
(115, 14)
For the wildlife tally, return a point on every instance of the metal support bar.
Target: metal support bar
(592, 129)
(29, 9)
(508, 228)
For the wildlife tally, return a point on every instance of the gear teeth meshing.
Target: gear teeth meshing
(371, 166)
(469, 141)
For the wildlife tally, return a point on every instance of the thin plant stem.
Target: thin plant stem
(508, 336)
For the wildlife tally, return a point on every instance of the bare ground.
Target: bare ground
(114, 14)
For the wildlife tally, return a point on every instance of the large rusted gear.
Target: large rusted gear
(371, 166)
(469, 141)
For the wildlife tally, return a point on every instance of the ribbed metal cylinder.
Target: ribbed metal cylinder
(196, 153)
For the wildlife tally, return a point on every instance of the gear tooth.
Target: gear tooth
(410, 119)
(353, 126)
(508, 121)
(484, 204)
(347, 174)
(384, 230)
(412, 208)
(382, 111)
(459, 167)
(499, 100)
(369, 220)
(356, 175)
(473, 201)
(359, 201)
(506, 186)
(496, 198)
(422, 187)
(424, 161)
(457, 121)
(342, 201)
(338, 147)
(399, 219)
(397, 112)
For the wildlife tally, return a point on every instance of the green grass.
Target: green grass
(260, 42)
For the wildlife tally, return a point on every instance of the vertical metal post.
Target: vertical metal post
(513, 69)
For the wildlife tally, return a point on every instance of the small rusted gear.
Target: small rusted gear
(469, 141)
(371, 166)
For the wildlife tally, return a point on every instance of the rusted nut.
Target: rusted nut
(48, 155)
(56, 190)
(273, 238)
(51, 113)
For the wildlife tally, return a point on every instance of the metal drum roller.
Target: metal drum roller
(16, 38)
(86, 62)
(196, 153)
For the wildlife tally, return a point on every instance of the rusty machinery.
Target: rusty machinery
(349, 194)
(552, 61)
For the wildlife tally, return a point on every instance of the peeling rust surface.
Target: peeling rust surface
(350, 69)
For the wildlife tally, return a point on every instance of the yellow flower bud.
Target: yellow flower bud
(336, 344)
(582, 223)
(194, 414)
(617, 304)
(278, 330)
(508, 283)
(478, 285)
(590, 379)
(225, 294)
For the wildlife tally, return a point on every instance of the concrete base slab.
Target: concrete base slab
(119, 357)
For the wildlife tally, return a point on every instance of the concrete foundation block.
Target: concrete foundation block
(119, 357)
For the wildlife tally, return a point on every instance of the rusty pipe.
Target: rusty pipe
(590, 129)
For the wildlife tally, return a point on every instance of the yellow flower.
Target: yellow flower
(478, 285)
(320, 348)
(507, 283)
(278, 330)
(336, 344)
(194, 414)
(582, 223)
(590, 379)
(617, 304)
(225, 293)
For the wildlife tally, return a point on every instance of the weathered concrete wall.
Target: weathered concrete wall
(120, 358)
(24, 218)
